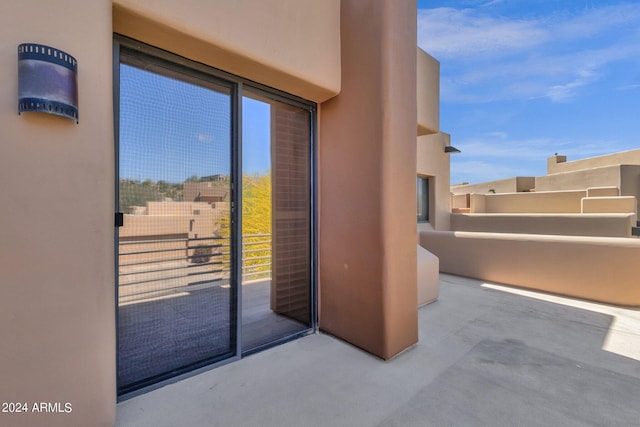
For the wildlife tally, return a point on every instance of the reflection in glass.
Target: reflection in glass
(175, 309)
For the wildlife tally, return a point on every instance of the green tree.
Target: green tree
(256, 224)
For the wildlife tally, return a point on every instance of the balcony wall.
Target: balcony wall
(594, 224)
(538, 202)
(509, 185)
(594, 268)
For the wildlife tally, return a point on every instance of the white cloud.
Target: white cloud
(486, 58)
(629, 87)
(203, 137)
(560, 93)
(500, 146)
(447, 32)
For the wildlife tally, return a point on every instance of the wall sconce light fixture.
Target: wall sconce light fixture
(451, 149)
(47, 81)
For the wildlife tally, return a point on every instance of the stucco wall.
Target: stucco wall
(625, 157)
(608, 176)
(538, 202)
(292, 45)
(428, 91)
(368, 267)
(509, 185)
(57, 326)
(432, 161)
(602, 225)
(595, 268)
(625, 177)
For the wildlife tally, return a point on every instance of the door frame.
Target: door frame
(237, 83)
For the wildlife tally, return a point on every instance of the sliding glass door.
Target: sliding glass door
(176, 308)
(215, 241)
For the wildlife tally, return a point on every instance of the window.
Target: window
(423, 198)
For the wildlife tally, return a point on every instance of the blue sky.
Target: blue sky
(524, 79)
(171, 130)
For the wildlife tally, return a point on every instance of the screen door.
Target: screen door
(176, 308)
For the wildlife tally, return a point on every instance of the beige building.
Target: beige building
(589, 197)
(571, 232)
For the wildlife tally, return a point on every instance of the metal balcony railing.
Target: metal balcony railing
(147, 267)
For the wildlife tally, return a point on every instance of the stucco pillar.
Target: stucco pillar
(367, 173)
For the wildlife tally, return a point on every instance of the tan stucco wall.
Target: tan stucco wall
(292, 45)
(428, 277)
(625, 157)
(625, 177)
(428, 92)
(509, 185)
(600, 269)
(432, 161)
(602, 225)
(615, 204)
(367, 239)
(603, 191)
(538, 202)
(607, 176)
(630, 182)
(57, 326)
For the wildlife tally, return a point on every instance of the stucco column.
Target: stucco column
(367, 173)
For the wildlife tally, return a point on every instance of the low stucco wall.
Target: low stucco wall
(595, 225)
(544, 202)
(609, 204)
(600, 269)
(509, 185)
(428, 277)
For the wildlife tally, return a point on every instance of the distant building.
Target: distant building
(589, 197)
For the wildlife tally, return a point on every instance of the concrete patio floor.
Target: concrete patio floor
(488, 355)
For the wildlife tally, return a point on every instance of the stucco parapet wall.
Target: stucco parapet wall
(602, 269)
(603, 191)
(592, 224)
(517, 184)
(428, 93)
(533, 202)
(291, 45)
(613, 204)
(612, 176)
(561, 165)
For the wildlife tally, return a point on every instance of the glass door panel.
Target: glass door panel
(176, 309)
(276, 231)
